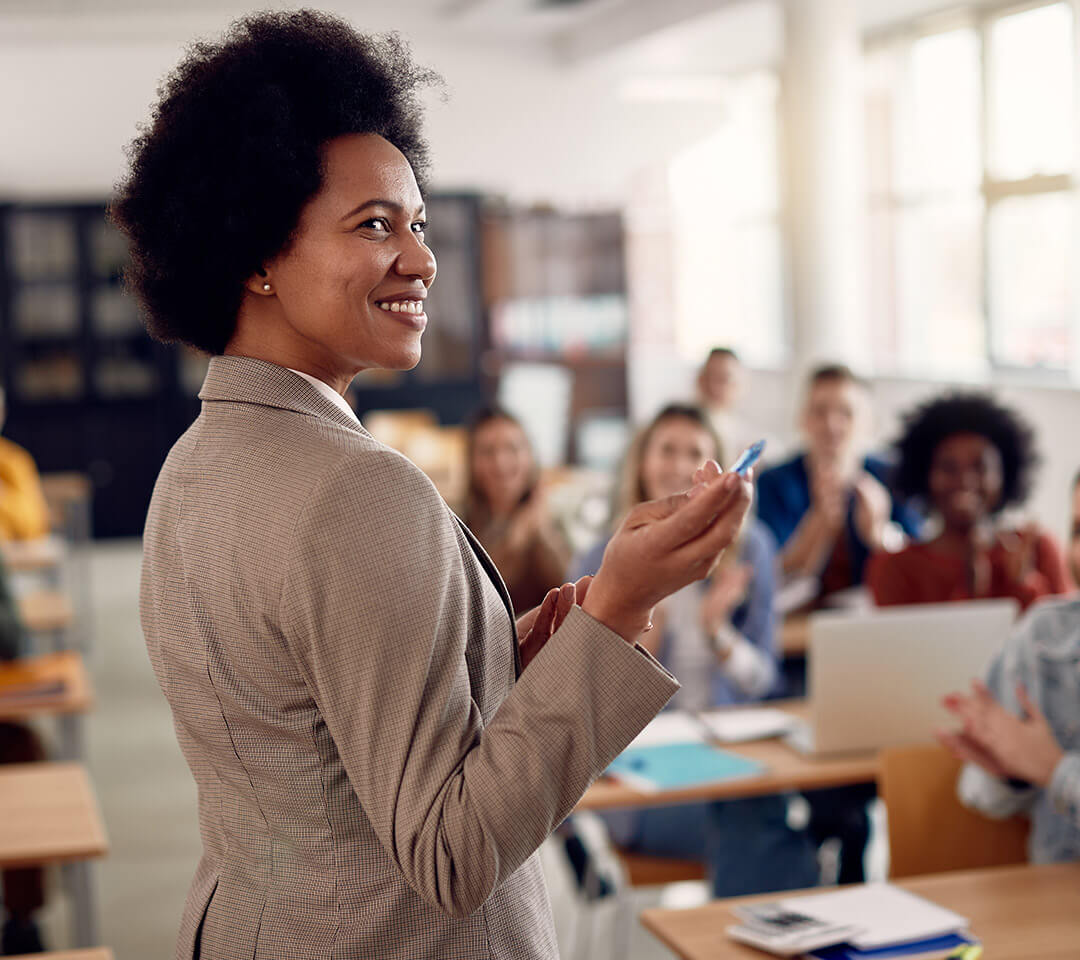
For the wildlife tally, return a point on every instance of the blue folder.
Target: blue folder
(675, 765)
(936, 947)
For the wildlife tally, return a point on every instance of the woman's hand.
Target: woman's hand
(1000, 742)
(663, 545)
(535, 628)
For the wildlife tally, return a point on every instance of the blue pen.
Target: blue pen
(748, 458)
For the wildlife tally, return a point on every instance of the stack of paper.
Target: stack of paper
(742, 726)
(880, 921)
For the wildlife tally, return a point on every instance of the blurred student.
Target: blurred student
(968, 458)
(718, 639)
(720, 392)
(1020, 731)
(23, 889)
(23, 513)
(505, 508)
(828, 507)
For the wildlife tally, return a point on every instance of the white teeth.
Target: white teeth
(403, 306)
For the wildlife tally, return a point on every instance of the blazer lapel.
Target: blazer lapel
(495, 577)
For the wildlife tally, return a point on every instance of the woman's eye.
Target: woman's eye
(419, 227)
(377, 224)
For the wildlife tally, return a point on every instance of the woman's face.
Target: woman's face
(965, 479)
(675, 449)
(348, 292)
(502, 463)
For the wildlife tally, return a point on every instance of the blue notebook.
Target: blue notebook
(673, 765)
(917, 950)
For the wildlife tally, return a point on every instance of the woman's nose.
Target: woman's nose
(417, 260)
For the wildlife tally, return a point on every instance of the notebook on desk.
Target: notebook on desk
(877, 680)
(672, 766)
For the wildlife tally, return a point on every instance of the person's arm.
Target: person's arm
(807, 552)
(458, 803)
(751, 660)
(991, 792)
(24, 514)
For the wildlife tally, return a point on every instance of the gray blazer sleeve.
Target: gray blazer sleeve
(378, 608)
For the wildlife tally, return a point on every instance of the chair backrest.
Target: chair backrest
(930, 831)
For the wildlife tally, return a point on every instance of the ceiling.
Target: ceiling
(687, 35)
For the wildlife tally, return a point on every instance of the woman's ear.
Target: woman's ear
(260, 283)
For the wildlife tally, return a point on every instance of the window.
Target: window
(727, 262)
(970, 152)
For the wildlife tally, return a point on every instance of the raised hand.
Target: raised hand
(663, 545)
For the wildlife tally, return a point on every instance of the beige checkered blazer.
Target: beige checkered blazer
(375, 772)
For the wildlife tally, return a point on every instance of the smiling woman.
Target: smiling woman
(379, 747)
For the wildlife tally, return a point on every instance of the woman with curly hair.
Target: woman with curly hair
(967, 458)
(379, 749)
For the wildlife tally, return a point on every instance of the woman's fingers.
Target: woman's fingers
(546, 613)
(725, 525)
(581, 589)
(1028, 705)
(696, 512)
(966, 749)
(564, 601)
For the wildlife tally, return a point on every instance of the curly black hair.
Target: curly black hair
(965, 412)
(233, 152)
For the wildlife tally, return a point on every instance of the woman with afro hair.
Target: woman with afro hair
(967, 458)
(379, 748)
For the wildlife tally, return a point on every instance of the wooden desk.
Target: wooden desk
(1019, 913)
(67, 704)
(795, 636)
(45, 554)
(49, 814)
(65, 667)
(46, 611)
(99, 954)
(785, 769)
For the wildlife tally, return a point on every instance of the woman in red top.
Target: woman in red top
(968, 458)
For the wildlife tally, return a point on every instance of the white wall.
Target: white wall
(517, 122)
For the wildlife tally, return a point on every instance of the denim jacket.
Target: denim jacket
(1043, 654)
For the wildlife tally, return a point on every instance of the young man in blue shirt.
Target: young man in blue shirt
(829, 507)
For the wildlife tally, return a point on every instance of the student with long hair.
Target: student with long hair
(505, 508)
(718, 639)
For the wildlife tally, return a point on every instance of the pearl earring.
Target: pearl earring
(266, 287)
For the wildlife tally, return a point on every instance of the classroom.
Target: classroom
(522, 479)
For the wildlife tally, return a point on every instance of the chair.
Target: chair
(930, 831)
(642, 870)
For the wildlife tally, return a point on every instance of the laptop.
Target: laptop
(876, 679)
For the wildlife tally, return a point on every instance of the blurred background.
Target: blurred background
(618, 186)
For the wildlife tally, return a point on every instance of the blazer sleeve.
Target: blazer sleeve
(375, 609)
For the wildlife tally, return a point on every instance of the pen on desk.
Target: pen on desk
(748, 458)
(972, 952)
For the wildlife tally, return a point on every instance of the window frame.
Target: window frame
(991, 190)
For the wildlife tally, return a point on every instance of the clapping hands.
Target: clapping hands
(1000, 742)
